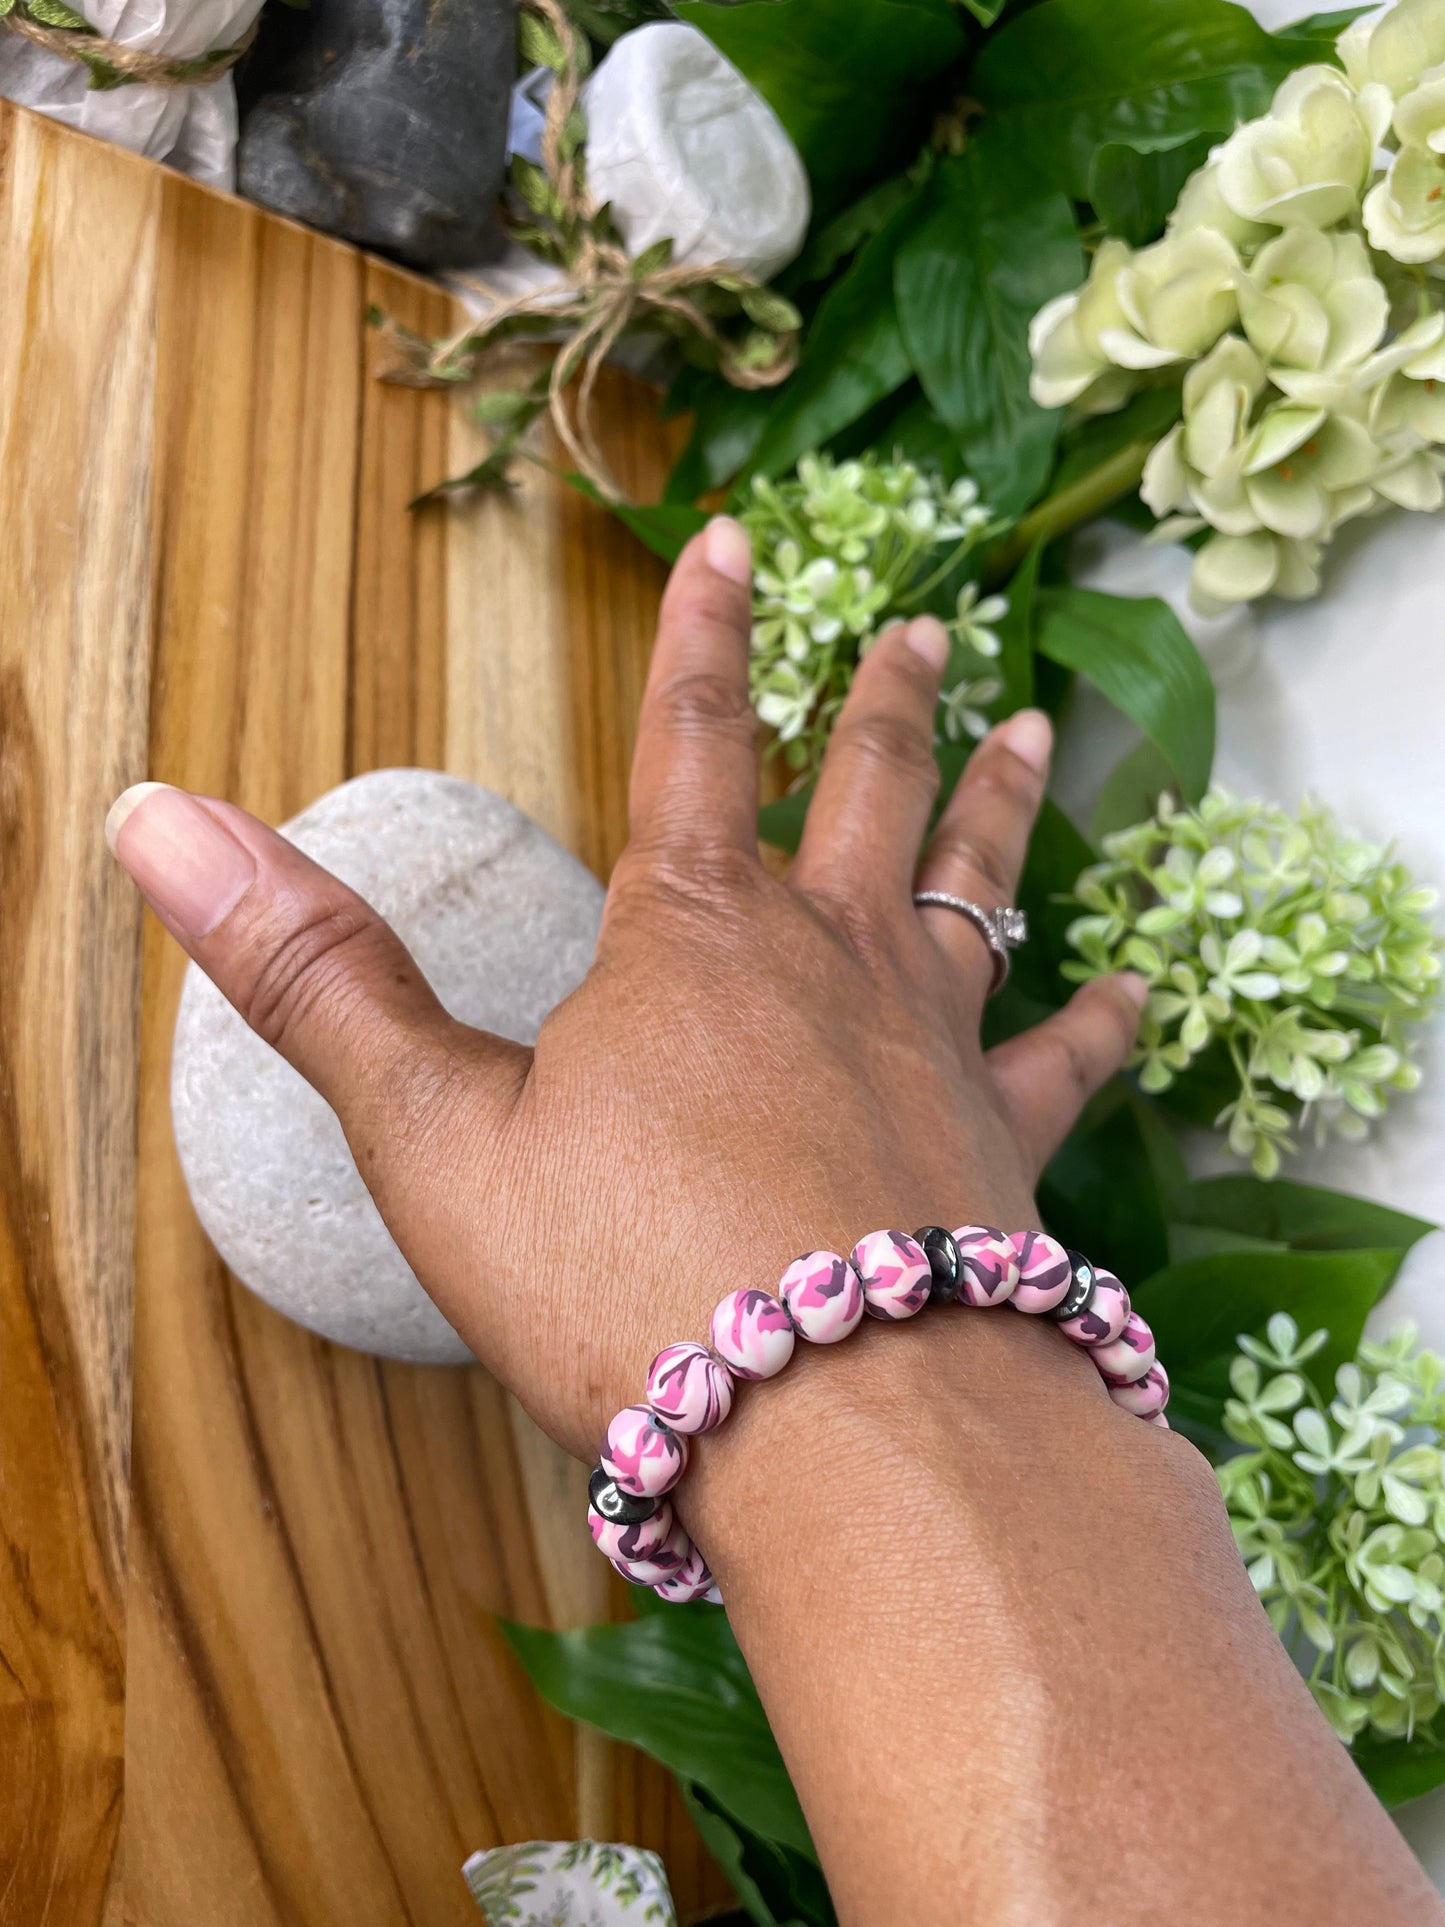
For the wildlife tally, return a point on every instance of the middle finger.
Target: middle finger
(879, 779)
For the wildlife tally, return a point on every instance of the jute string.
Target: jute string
(130, 63)
(601, 296)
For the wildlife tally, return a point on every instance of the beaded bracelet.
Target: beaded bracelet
(822, 1298)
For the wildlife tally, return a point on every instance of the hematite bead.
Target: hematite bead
(609, 1501)
(942, 1255)
(1081, 1289)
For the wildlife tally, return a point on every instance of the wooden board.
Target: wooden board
(248, 1585)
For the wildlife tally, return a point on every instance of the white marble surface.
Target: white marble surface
(1344, 697)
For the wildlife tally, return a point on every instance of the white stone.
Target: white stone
(503, 923)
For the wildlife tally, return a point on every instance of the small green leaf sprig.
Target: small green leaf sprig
(1306, 954)
(840, 551)
(1338, 1509)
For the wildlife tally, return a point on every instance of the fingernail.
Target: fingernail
(192, 871)
(123, 805)
(927, 637)
(1030, 736)
(1134, 987)
(729, 551)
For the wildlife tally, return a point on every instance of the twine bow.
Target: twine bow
(60, 30)
(606, 291)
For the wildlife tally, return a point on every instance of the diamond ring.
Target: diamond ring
(1003, 929)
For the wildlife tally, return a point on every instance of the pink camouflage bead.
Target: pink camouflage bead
(692, 1580)
(1045, 1272)
(663, 1562)
(1147, 1396)
(1130, 1355)
(823, 1296)
(689, 1389)
(988, 1267)
(1104, 1317)
(752, 1334)
(620, 1541)
(894, 1272)
(642, 1455)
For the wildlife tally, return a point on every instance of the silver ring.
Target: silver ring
(1003, 929)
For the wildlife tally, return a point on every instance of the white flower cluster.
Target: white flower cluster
(1301, 958)
(1339, 1513)
(1299, 293)
(840, 550)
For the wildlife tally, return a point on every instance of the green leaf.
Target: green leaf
(492, 475)
(985, 12)
(776, 1888)
(1133, 191)
(915, 434)
(665, 527)
(1135, 653)
(608, 20)
(853, 356)
(727, 427)
(501, 405)
(1015, 631)
(770, 310)
(675, 1685)
(104, 78)
(1303, 1216)
(534, 187)
(832, 243)
(781, 823)
(1069, 75)
(538, 44)
(54, 13)
(844, 76)
(1400, 1770)
(1324, 28)
(659, 255)
(1107, 1189)
(992, 243)
(1198, 1308)
(1131, 790)
(1147, 418)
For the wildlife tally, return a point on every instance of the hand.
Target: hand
(752, 1067)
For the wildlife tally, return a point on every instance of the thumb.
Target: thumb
(310, 966)
(1045, 1076)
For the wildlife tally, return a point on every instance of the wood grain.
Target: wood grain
(217, 582)
(76, 376)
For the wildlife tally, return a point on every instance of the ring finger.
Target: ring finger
(977, 851)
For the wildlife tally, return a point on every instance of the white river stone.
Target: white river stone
(503, 923)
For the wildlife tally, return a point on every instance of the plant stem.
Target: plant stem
(955, 556)
(1080, 502)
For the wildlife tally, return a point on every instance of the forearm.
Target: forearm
(1012, 1658)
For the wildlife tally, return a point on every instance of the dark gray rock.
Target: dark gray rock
(387, 125)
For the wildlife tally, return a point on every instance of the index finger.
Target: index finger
(695, 771)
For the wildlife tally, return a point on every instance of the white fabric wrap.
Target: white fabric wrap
(683, 146)
(192, 127)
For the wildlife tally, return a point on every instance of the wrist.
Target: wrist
(931, 1420)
